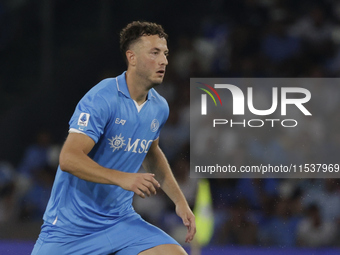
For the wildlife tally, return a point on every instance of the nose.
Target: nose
(164, 60)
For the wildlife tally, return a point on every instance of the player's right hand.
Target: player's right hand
(140, 183)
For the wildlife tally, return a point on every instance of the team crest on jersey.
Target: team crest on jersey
(117, 142)
(83, 119)
(154, 125)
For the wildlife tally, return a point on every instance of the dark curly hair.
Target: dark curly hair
(136, 29)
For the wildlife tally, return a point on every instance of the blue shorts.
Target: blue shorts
(129, 236)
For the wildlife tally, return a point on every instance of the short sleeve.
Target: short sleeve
(165, 115)
(91, 115)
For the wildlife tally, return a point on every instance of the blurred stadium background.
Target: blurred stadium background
(53, 51)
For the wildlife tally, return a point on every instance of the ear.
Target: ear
(131, 57)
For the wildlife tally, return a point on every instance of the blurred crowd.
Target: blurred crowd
(248, 38)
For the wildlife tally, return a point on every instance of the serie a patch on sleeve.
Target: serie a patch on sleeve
(83, 119)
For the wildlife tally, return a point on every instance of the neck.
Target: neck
(137, 88)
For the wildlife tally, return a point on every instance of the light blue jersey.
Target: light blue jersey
(123, 136)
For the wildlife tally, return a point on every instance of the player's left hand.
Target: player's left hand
(188, 218)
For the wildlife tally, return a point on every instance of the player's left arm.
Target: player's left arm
(156, 162)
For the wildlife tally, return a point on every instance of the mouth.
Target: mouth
(162, 72)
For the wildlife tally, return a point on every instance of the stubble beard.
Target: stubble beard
(150, 81)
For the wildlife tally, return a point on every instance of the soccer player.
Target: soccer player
(113, 131)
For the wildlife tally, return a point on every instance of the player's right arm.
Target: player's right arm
(74, 159)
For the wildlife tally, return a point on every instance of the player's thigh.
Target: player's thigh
(165, 249)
